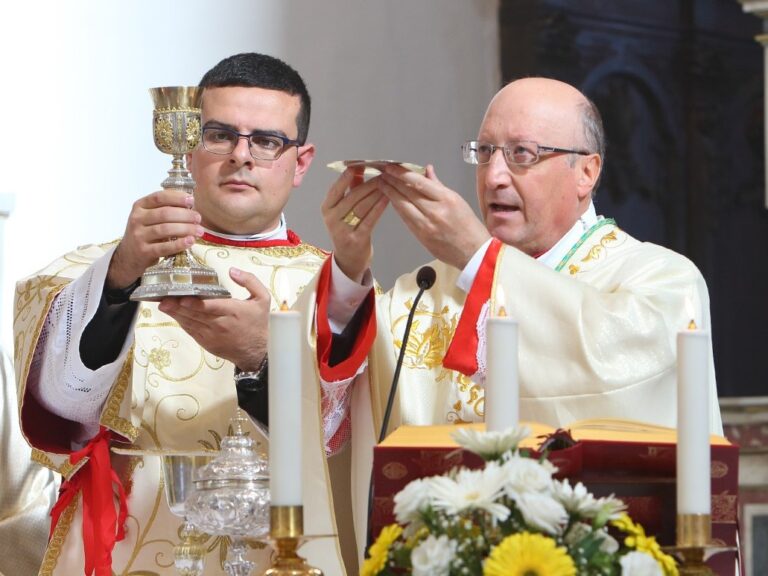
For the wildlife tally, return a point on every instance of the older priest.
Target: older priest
(598, 310)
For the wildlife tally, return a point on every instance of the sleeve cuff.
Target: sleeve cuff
(345, 296)
(467, 277)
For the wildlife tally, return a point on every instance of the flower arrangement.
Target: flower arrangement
(511, 518)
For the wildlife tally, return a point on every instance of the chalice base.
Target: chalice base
(179, 275)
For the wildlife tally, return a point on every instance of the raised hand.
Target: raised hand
(439, 217)
(350, 211)
(160, 224)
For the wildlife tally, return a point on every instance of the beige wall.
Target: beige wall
(398, 79)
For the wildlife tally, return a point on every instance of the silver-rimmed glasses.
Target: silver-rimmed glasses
(516, 152)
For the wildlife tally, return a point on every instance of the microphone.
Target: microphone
(425, 279)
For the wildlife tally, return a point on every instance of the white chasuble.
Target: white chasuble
(596, 335)
(172, 395)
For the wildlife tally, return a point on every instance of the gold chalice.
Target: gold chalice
(176, 129)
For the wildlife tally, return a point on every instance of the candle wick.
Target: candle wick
(692, 325)
(284, 306)
(502, 312)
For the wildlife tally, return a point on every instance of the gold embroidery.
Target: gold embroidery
(111, 417)
(56, 543)
(159, 358)
(65, 468)
(597, 249)
(216, 444)
(573, 269)
(426, 348)
(476, 400)
(724, 508)
(291, 252)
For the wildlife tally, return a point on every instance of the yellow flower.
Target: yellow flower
(378, 551)
(527, 554)
(637, 540)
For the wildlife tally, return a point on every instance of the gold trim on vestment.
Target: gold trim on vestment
(56, 543)
(275, 251)
(111, 414)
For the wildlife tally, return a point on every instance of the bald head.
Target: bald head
(532, 206)
(554, 107)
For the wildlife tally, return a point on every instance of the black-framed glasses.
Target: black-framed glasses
(516, 152)
(262, 145)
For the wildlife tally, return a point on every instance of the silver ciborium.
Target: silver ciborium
(178, 475)
(176, 129)
(231, 496)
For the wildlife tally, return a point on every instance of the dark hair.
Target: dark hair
(253, 70)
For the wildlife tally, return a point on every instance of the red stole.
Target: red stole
(462, 351)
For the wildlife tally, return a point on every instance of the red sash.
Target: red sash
(102, 524)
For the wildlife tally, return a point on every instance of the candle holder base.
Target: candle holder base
(288, 563)
(286, 535)
(694, 544)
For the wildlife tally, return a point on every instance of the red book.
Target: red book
(631, 460)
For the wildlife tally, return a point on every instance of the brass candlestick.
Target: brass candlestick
(693, 538)
(694, 544)
(176, 130)
(286, 530)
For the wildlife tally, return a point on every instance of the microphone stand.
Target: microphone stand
(425, 278)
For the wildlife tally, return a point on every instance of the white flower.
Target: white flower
(524, 474)
(578, 501)
(433, 556)
(490, 444)
(476, 489)
(542, 511)
(639, 564)
(411, 500)
(611, 508)
(580, 530)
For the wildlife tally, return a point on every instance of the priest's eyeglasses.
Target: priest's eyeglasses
(516, 152)
(262, 145)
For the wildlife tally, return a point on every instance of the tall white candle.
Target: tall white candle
(285, 408)
(693, 451)
(502, 391)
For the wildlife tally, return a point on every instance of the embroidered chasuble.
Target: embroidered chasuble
(597, 336)
(172, 395)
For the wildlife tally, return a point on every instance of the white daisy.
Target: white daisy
(412, 500)
(490, 445)
(470, 489)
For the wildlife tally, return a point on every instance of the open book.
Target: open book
(611, 429)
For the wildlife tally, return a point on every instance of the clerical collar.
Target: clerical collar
(280, 236)
(554, 255)
(279, 233)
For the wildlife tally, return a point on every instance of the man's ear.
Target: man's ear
(589, 172)
(305, 155)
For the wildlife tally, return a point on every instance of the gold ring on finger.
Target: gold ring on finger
(351, 219)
